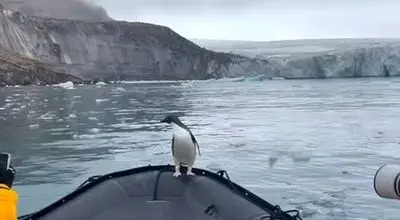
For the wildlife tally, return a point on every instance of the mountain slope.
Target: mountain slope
(17, 69)
(117, 50)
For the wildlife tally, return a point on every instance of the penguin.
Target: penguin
(183, 145)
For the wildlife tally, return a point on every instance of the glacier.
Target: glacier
(112, 50)
(320, 58)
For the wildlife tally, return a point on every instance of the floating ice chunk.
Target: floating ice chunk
(93, 118)
(75, 136)
(187, 84)
(94, 130)
(47, 116)
(72, 115)
(66, 85)
(101, 100)
(33, 126)
(119, 89)
(101, 84)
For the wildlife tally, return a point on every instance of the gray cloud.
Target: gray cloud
(70, 9)
(251, 19)
(264, 19)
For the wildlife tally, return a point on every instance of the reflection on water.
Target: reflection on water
(308, 144)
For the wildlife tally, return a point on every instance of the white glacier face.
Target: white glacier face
(331, 58)
(359, 62)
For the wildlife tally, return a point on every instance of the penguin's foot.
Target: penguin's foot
(189, 172)
(177, 171)
(177, 174)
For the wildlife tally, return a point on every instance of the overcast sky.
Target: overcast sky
(264, 20)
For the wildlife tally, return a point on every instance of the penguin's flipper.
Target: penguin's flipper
(195, 142)
(172, 147)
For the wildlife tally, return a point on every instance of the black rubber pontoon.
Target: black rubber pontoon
(152, 193)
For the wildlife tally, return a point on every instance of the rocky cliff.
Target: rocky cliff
(117, 50)
(17, 69)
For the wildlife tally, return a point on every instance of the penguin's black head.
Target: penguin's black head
(171, 119)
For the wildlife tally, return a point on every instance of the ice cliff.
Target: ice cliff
(375, 61)
(325, 58)
(117, 50)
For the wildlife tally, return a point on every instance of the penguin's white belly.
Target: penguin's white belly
(184, 149)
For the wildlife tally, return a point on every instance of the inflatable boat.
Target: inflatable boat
(152, 193)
